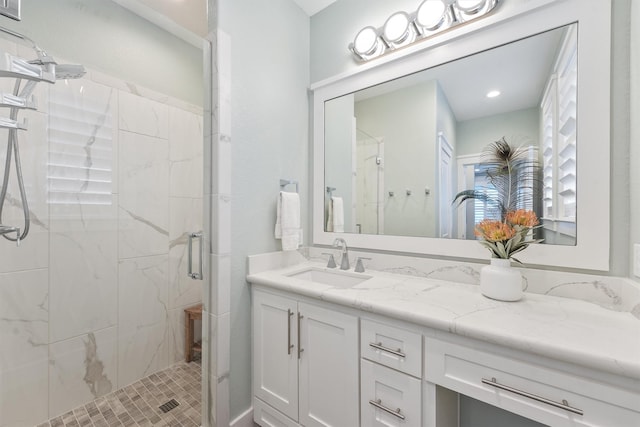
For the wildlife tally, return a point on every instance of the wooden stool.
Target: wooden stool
(191, 314)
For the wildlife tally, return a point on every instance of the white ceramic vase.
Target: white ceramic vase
(500, 281)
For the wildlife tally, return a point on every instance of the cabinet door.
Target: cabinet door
(328, 368)
(275, 355)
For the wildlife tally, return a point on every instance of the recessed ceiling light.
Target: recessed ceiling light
(493, 93)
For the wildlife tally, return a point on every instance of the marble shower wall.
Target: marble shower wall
(93, 299)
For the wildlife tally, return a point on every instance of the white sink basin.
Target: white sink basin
(338, 278)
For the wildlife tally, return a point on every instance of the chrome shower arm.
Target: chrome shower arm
(43, 58)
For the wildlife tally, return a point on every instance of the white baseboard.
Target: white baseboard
(243, 420)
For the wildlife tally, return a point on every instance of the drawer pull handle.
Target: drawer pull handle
(562, 405)
(379, 346)
(289, 345)
(300, 349)
(378, 404)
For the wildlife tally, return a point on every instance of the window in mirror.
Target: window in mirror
(383, 144)
(476, 176)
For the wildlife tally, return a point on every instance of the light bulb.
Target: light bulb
(396, 29)
(366, 41)
(470, 6)
(430, 14)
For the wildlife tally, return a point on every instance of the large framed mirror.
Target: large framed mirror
(395, 142)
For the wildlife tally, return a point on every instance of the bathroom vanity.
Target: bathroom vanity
(339, 348)
(334, 348)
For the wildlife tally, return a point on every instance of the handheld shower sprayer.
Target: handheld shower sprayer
(43, 68)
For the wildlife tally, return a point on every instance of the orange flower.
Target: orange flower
(522, 217)
(494, 231)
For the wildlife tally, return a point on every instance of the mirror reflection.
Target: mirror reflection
(396, 154)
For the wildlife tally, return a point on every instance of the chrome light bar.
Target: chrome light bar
(402, 29)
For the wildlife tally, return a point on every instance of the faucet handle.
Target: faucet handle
(332, 262)
(359, 265)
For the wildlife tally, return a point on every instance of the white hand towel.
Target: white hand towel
(288, 220)
(330, 216)
(338, 214)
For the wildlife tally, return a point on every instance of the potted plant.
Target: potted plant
(513, 176)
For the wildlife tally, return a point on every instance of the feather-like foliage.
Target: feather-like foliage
(512, 172)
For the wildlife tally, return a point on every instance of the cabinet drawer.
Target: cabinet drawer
(388, 397)
(540, 393)
(390, 346)
(266, 416)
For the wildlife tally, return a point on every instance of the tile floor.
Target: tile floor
(138, 404)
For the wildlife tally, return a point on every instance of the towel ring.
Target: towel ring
(285, 182)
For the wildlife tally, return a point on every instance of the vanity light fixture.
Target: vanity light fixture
(402, 29)
(471, 6)
(366, 43)
(397, 30)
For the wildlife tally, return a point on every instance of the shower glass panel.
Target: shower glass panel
(92, 302)
(369, 183)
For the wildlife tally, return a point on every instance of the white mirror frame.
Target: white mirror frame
(514, 20)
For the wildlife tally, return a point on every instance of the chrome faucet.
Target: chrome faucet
(344, 262)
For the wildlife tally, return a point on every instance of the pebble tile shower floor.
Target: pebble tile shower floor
(138, 404)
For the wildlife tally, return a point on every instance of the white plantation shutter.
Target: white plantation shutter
(567, 93)
(483, 210)
(80, 148)
(558, 112)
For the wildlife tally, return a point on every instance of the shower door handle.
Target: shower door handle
(191, 274)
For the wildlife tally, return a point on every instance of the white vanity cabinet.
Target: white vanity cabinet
(327, 357)
(305, 364)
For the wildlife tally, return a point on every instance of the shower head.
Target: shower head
(69, 71)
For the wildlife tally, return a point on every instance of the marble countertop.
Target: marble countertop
(565, 329)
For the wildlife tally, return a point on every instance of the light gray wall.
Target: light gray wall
(107, 37)
(338, 152)
(269, 140)
(517, 127)
(445, 119)
(333, 28)
(409, 133)
(635, 127)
